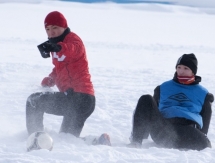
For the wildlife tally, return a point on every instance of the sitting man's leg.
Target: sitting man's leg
(146, 109)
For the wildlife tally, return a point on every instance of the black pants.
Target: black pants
(74, 107)
(148, 120)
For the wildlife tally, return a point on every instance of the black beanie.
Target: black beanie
(188, 60)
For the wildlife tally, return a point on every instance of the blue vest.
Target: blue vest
(184, 101)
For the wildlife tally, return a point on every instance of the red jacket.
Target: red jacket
(71, 66)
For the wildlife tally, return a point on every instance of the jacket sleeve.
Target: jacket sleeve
(206, 112)
(72, 47)
(53, 74)
(156, 95)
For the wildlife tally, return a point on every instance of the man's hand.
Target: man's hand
(48, 82)
(47, 47)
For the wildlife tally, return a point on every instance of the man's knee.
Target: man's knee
(33, 104)
(145, 101)
(145, 98)
(33, 99)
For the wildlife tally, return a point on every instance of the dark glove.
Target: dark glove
(47, 47)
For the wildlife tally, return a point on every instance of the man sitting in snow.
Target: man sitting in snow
(178, 115)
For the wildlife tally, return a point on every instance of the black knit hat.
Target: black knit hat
(188, 60)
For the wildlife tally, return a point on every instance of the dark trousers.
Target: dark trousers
(74, 107)
(147, 120)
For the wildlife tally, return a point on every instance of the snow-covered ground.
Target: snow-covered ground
(131, 49)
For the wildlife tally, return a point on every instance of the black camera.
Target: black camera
(43, 50)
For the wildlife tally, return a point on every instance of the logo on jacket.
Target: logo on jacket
(180, 97)
(60, 59)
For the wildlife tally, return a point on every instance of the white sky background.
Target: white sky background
(131, 49)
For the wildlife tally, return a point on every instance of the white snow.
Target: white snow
(131, 48)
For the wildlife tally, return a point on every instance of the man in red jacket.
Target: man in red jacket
(76, 100)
